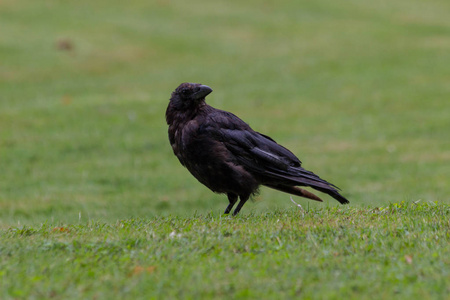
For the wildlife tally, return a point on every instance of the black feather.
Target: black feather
(227, 156)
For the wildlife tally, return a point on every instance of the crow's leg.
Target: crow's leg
(241, 203)
(233, 199)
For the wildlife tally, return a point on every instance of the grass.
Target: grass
(357, 89)
(400, 251)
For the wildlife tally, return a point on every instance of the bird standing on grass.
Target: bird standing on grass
(229, 157)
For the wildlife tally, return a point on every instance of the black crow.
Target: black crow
(229, 157)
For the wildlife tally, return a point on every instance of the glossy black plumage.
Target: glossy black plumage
(229, 157)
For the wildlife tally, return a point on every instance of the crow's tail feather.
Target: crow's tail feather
(295, 190)
(289, 183)
(333, 193)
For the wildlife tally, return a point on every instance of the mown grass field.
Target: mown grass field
(94, 204)
(400, 251)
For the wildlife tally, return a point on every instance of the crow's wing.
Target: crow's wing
(260, 154)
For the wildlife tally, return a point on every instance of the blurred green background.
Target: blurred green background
(359, 90)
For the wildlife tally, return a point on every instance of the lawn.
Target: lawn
(399, 251)
(93, 203)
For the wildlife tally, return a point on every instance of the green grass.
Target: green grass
(358, 90)
(400, 251)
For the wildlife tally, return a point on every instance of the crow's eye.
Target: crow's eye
(185, 92)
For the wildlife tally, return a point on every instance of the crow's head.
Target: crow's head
(189, 95)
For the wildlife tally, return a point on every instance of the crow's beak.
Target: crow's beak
(202, 92)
